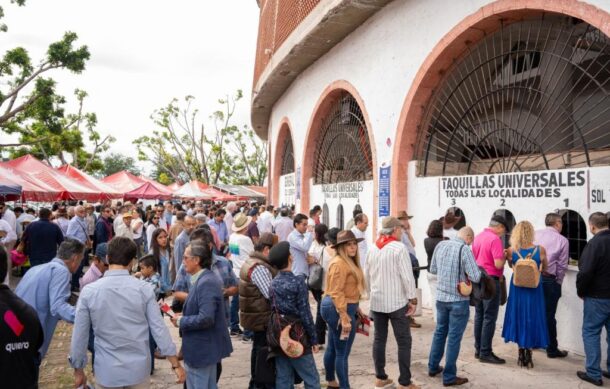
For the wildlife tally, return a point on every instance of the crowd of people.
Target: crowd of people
(246, 272)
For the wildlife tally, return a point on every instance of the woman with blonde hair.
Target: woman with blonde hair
(525, 318)
(339, 307)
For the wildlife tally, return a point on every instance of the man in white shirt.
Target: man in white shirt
(124, 228)
(361, 223)
(283, 225)
(240, 247)
(9, 216)
(265, 220)
(389, 278)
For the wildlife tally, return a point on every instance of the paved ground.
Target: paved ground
(547, 373)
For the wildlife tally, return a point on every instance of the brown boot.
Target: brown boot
(413, 323)
(384, 384)
(458, 381)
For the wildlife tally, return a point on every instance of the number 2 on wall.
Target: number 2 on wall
(503, 202)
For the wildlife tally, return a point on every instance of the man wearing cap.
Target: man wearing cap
(300, 240)
(361, 223)
(240, 247)
(407, 239)
(490, 255)
(255, 310)
(98, 267)
(452, 262)
(389, 279)
(253, 232)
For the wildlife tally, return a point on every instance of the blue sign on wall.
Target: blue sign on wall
(384, 191)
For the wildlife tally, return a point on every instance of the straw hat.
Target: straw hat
(240, 221)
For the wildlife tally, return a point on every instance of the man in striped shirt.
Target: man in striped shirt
(452, 262)
(389, 278)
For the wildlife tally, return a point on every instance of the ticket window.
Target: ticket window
(459, 213)
(357, 210)
(575, 230)
(340, 216)
(325, 214)
(510, 220)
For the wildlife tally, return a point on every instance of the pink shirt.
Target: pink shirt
(486, 247)
(92, 275)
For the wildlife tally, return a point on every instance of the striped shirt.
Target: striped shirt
(389, 277)
(445, 264)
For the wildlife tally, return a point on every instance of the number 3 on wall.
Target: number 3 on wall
(452, 201)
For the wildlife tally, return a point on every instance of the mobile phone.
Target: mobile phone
(166, 309)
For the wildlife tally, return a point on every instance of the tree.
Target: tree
(3, 26)
(45, 144)
(115, 162)
(183, 149)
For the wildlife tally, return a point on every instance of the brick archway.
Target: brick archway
(469, 31)
(323, 106)
(285, 131)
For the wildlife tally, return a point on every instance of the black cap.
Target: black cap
(500, 219)
(278, 255)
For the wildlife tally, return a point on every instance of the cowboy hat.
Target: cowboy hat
(344, 237)
(403, 215)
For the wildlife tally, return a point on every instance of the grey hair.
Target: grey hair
(386, 231)
(202, 251)
(465, 233)
(70, 247)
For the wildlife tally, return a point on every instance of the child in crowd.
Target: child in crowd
(99, 265)
(150, 274)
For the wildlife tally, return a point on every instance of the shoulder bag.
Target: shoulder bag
(316, 274)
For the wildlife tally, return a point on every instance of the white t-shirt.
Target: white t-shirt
(264, 222)
(450, 233)
(241, 247)
(363, 248)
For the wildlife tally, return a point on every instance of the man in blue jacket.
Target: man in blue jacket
(42, 238)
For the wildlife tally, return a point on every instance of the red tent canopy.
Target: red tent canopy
(31, 189)
(159, 186)
(68, 188)
(147, 191)
(218, 195)
(123, 181)
(91, 182)
(174, 187)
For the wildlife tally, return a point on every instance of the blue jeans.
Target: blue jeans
(305, 367)
(337, 350)
(486, 315)
(451, 321)
(596, 315)
(201, 377)
(552, 294)
(235, 313)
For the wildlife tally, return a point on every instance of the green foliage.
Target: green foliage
(4, 27)
(183, 149)
(116, 162)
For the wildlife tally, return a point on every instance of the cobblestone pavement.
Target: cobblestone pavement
(548, 373)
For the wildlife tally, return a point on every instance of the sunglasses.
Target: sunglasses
(155, 218)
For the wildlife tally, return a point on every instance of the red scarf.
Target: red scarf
(385, 239)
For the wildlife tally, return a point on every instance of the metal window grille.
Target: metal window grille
(343, 152)
(533, 95)
(340, 216)
(325, 215)
(575, 230)
(287, 157)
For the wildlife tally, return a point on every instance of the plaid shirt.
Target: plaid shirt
(445, 264)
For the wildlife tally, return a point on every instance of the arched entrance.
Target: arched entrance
(339, 163)
(284, 190)
(503, 94)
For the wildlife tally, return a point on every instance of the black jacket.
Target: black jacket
(20, 339)
(593, 279)
(42, 238)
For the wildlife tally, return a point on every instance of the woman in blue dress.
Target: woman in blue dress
(525, 318)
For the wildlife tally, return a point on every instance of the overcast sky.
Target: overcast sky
(144, 53)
